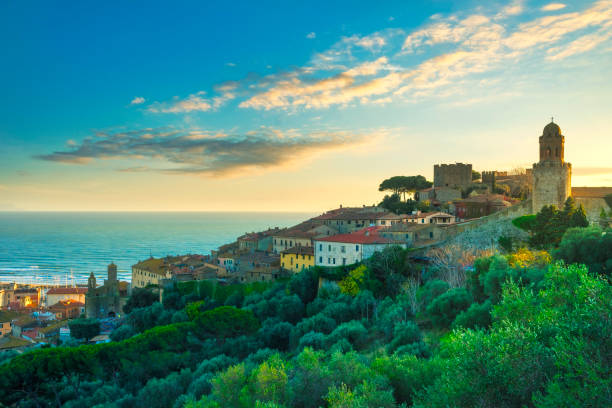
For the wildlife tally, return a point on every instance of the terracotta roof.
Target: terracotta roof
(360, 216)
(591, 192)
(67, 291)
(368, 235)
(64, 304)
(299, 250)
(422, 215)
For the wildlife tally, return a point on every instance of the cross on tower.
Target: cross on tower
(551, 119)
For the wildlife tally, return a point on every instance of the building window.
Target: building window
(320, 259)
(334, 260)
(423, 221)
(329, 247)
(343, 249)
(356, 248)
(320, 247)
(343, 261)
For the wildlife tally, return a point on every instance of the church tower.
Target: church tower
(552, 174)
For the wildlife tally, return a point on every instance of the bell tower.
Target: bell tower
(552, 174)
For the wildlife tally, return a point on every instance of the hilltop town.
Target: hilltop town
(460, 201)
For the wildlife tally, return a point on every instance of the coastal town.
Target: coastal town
(458, 200)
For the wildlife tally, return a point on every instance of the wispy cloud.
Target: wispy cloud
(193, 103)
(553, 7)
(137, 100)
(311, 35)
(177, 151)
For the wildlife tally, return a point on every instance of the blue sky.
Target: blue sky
(280, 106)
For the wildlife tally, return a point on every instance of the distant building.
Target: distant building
(67, 309)
(55, 295)
(297, 258)
(438, 195)
(107, 300)
(456, 175)
(415, 235)
(5, 328)
(150, 272)
(552, 175)
(300, 235)
(480, 205)
(257, 241)
(350, 221)
(347, 249)
(432, 217)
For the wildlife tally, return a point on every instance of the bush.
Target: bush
(227, 321)
(403, 334)
(431, 290)
(353, 332)
(447, 306)
(84, 328)
(477, 316)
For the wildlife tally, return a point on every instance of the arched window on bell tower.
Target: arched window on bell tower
(556, 152)
(548, 152)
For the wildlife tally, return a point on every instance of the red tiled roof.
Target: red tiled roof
(368, 235)
(67, 291)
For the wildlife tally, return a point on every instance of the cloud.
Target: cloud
(176, 151)
(137, 100)
(194, 103)
(230, 64)
(311, 35)
(432, 61)
(553, 7)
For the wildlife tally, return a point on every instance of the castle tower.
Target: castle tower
(91, 282)
(112, 272)
(551, 175)
(91, 299)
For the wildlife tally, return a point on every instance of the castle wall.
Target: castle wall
(453, 175)
(551, 184)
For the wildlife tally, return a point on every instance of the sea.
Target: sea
(63, 248)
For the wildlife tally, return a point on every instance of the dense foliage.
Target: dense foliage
(548, 226)
(521, 331)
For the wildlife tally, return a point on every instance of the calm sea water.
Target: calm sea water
(50, 247)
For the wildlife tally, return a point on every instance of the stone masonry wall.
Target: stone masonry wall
(551, 184)
(452, 175)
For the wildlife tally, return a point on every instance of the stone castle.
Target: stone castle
(107, 300)
(552, 175)
(456, 175)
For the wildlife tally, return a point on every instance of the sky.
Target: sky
(282, 106)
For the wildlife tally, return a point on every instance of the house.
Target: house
(149, 272)
(257, 266)
(55, 295)
(5, 328)
(68, 309)
(297, 258)
(257, 241)
(346, 222)
(21, 324)
(433, 217)
(480, 205)
(25, 298)
(438, 195)
(346, 249)
(413, 234)
(300, 235)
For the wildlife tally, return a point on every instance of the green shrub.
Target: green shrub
(447, 306)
